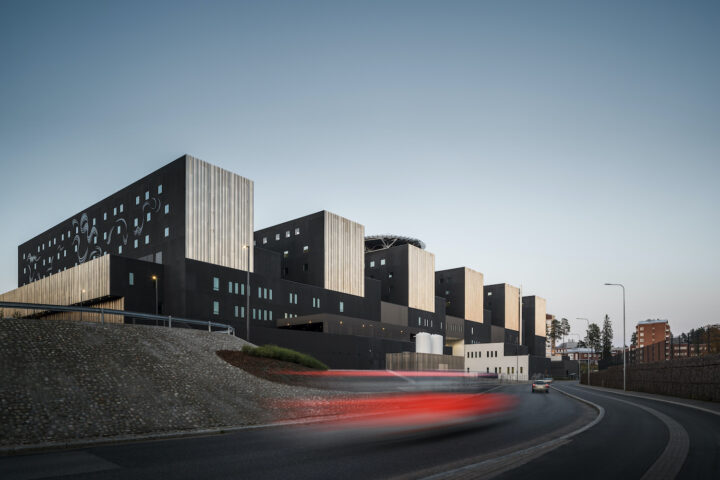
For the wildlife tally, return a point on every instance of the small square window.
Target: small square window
(147, 239)
(372, 263)
(159, 189)
(305, 249)
(167, 208)
(277, 236)
(382, 261)
(264, 240)
(287, 233)
(297, 231)
(167, 231)
(285, 254)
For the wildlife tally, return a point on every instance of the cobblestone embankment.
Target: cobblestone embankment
(63, 381)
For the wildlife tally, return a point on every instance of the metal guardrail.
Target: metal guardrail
(125, 313)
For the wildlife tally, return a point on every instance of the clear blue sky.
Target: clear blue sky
(557, 145)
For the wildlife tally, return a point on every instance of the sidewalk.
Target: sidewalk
(711, 407)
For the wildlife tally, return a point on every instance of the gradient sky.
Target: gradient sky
(557, 145)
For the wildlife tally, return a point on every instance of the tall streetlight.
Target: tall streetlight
(588, 337)
(247, 291)
(155, 279)
(624, 345)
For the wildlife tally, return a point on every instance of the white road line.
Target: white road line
(515, 459)
(668, 465)
(645, 397)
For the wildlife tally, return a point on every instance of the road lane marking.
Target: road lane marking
(671, 460)
(640, 395)
(495, 466)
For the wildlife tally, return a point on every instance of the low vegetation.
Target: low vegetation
(284, 354)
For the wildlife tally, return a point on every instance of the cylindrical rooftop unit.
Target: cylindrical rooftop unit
(422, 343)
(437, 343)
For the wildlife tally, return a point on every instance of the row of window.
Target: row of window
(424, 322)
(277, 235)
(372, 262)
(306, 249)
(478, 354)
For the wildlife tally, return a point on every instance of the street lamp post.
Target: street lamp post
(155, 279)
(624, 345)
(247, 292)
(588, 337)
(82, 292)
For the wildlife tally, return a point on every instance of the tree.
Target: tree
(593, 337)
(553, 331)
(633, 339)
(564, 326)
(607, 336)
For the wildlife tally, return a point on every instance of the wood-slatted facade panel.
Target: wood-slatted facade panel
(512, 308)
(474, 295)
(540, 311)
(66, 287)
(218, 215)
(113, 304)
(344, 255)
(421, 279)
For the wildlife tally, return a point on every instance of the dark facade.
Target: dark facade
(390, 266)
(450, 284)
(495, 303)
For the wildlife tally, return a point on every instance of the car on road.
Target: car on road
(540, 386)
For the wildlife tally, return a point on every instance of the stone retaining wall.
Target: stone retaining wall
(695, 377)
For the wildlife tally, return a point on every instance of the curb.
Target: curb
(645, 397)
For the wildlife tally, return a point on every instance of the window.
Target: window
(148, 216)
(236, 288)
(216, 307)
(489, 294)
(237, 311)
(264, 240)
(167, 208)
(114, 211)
(297, 230)
(118, 229)
(167, 231)
(287, 233)
(131, 278)
(135, 243)
(104, 235)
(160, 191)
(521, 369)
(242, 289)
(285, 254)
(242, 312)
(119, 249)
(277, 236)
(265, 293)
(390, 275)
(64, 253)
(121, 208)
(147, 195)
(372, 263)
(230, 287)
(147, 239)
(253, 314)
(270, 315)
(342, 307)
(104, 218)
(137, 200)
(382, 261)
(305, 267)
(270, 292)
(216, 284)
(265, 314)
(135, 222)
(305, 249)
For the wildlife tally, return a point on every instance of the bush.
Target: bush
(284, 354)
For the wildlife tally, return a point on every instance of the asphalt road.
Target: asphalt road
(279, 453)
(636, 438)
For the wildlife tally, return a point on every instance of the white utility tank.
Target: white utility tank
(422, 343)
(436, 344)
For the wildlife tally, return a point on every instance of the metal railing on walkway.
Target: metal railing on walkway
(166, 320)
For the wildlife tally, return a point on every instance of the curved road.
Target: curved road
(635, 437)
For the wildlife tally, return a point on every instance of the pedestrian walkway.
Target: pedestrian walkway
(712, 407)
